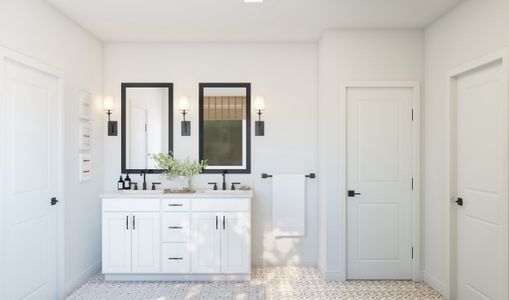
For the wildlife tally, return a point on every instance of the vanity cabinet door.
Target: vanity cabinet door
(145, 242)
(235, 243)
(116, 243)
(206, 252)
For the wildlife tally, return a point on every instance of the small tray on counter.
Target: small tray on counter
(179, 191)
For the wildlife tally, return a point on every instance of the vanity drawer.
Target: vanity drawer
(221, 204)
(130, 204)
(175, 204)
(175, 227)
(175, 258)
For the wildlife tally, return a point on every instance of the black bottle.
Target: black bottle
(120, 184)
(127, 183)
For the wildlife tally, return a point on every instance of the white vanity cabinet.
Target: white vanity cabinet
(130, 238)
(224, 243)
(235, 243)
(175, 237)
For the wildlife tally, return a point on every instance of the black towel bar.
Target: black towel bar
(311, 175)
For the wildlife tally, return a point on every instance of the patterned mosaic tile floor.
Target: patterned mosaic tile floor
(297, 283)
(271, 283)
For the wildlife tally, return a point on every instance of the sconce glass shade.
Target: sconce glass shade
(260, 103)
(184, 103)
(108, 103)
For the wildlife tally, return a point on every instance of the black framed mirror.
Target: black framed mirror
(225, 127)
(147, 125)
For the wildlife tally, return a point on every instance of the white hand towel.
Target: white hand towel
(289, 205)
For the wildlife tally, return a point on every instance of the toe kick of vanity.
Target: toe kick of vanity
(176, 238)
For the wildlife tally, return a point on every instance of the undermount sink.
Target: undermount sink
(152, 192)
(203, 193)
(226, 192)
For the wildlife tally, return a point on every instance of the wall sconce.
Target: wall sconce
(112, 125)
(259, 107)
(185, 126)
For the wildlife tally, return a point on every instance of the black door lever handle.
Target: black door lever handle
(352, 193)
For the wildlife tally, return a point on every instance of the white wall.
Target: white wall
(473, 29)
(346, 55)
(35, 29)
(286, 74)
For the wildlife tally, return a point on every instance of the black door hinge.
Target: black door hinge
(412, 252)
(412, 183)
(412, 114)
(54, 201)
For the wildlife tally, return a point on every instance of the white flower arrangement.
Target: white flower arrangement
(173, 168)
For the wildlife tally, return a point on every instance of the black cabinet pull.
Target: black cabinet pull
(171, 204)
(217, 223)
(224, 223)
(175, 227)
(175, 258)
(134, 222)
(127, 222)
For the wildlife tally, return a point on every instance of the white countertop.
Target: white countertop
(161, 194)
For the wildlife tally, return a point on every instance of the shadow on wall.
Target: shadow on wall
(281, 250)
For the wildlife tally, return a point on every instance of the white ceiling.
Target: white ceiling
(234, 20)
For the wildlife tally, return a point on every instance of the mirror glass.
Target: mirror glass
(147, 128)
(225, 126)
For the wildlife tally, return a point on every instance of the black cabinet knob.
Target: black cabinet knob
(459, 201)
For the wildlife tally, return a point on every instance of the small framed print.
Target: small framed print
(85, 105)
(85, 138)
(85, 161)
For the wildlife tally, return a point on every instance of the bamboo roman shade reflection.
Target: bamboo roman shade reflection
(224, 108)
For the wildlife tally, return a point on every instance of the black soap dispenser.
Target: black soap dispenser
(127, 182)
(120, 183)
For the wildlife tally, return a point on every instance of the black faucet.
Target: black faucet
(144, 173)
(224, 180)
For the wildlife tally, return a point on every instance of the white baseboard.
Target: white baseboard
(177, 277)
(433, 282)
(78, 281)
(333, 276)
(304, 262)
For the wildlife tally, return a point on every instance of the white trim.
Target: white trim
(19, 58)
(79, 280)
(433, 282)
(177, 277)
(451, 194)
(303, 262)
(333, 276)
(416, 169)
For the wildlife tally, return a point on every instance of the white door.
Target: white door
(379, 168)
(482, 162)
(235, 243)
(145, 242)
(30, 182)
(206, 254)
(137, 138)
(116, 242)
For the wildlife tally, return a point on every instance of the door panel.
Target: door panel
(145, 242)
(379, 167)
(116, 243)
(206, 251)
(481, 183)
(235, 243)
(31, 163)
(137, 138)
